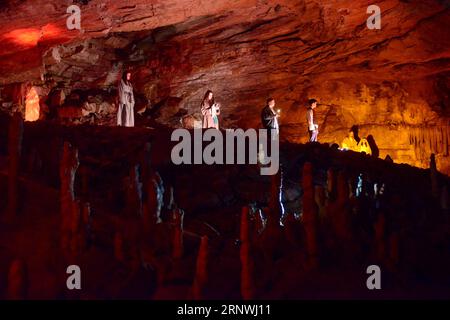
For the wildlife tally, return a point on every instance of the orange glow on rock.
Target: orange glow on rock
(26, 37)
(50, 31)
(32, 108)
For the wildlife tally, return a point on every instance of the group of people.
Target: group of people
(269, 116)
(354, 143)
(210, 110)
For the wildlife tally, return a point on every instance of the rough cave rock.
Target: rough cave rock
(393, 83)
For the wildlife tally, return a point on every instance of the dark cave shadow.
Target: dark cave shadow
(373, 146)
(355, 130)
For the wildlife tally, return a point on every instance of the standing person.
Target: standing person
(269, 117)
(210, 111)
(313, 128)
(125, 114)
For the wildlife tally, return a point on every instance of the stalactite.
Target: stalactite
(201, 273)
(446, 141)
(437, 145)
(15, 136)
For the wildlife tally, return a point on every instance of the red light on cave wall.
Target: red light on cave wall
(32, 109)
(29, 37)
(26, 37)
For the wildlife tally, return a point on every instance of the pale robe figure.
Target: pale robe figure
(125, 115)
(210, 111)
(350, 143)
(364, 146)
(313, 128)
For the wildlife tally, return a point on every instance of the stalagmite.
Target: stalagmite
(261, 220)
(379, 237)
(292, 231)
(247, 287)
(201, 273)
(17, 281)
(177, 247)
(68, 167)
(445, 204)
(339, 209)
(275, 204)
(394, 239)
(153, 200)
(119, 247)
(80, 228)
(320, 199)
(134, 192)
(434, 176)
(15, 136)
(84, 173)
(145, 162)
(427, 140)
(343, 195)
(86, 221)
(170, 203)
(331, 184)
(75, 228)
(310, 215)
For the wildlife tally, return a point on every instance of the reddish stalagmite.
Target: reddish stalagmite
(15, 136)
(69, 208)
(247, 285)
(119, 247)
(338, 209)
(133, 192)
(177, 247)
(379, 227)
(17, 280)
(201, 273)
(310, 214)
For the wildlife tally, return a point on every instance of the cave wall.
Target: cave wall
(393, 83)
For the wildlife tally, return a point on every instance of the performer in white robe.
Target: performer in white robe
(125, 114)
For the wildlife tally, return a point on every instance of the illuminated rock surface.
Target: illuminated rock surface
(358, 210)
(393, 83)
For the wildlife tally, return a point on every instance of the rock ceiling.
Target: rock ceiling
(390, 81)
